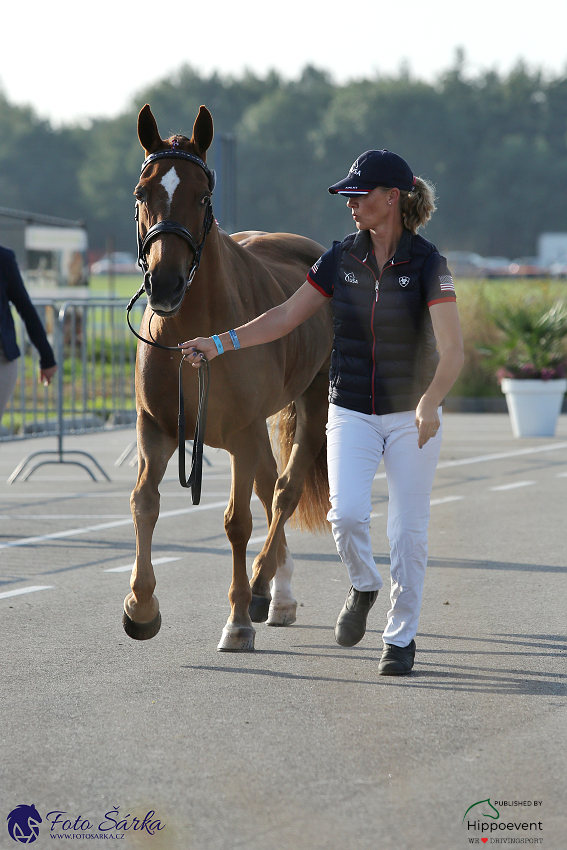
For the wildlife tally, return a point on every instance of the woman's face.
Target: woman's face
(372, 210)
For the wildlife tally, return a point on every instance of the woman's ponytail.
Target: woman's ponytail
(417, 206)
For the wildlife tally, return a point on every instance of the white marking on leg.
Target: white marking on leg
(281, 583)
(170, 182)
(283, 606)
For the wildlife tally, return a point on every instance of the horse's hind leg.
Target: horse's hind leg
(142, 619)
(274, 561)
(277, 604)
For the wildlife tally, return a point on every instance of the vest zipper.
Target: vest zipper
(377, 289)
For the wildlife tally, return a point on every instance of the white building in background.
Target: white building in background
(552, 249)
(50, 251)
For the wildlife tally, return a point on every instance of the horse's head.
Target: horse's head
(174, 212)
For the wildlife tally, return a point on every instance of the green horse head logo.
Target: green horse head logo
(483, 814)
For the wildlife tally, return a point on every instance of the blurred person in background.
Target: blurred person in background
(397, 352)
(12, 290)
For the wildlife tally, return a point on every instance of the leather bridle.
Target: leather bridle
(170, 226)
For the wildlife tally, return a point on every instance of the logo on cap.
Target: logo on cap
(354, 169)
(404, 281)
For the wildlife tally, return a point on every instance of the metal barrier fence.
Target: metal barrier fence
(93, 388)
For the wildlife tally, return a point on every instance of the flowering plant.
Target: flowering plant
(531, 345)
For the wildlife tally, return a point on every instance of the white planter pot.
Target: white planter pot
(534, 405)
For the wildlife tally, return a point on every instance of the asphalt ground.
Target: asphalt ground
(299, 744)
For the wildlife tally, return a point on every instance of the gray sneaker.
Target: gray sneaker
(351, 623)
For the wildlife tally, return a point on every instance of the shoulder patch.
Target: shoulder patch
(446, 283)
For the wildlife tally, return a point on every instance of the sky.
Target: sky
(72, 61)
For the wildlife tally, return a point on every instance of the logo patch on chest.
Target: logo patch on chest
(350, 278)
(404, 281)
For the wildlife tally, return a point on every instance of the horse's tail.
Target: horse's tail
(311, 511)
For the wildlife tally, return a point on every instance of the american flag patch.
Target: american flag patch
(446, 283)
(315, 266)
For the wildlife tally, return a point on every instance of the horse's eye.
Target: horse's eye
(139, 194)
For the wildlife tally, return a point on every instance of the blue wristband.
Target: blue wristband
(218, 344)
(235, 340)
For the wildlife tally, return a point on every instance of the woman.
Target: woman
(12, 289)
(397, 352)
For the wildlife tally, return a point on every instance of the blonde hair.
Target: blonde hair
(417, 206)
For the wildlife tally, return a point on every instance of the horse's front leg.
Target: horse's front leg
(142, 618)
(238, 634)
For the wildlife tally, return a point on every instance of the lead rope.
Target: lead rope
(196, 474)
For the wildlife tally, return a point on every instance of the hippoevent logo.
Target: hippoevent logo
(485, 822)
(24, 821)
(23, 824)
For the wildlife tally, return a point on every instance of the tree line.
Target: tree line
(494, 145)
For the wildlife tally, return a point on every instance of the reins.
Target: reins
(196, 474)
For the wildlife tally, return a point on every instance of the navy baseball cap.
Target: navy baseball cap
(372, 169)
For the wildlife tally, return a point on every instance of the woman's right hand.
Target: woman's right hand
(198, 349)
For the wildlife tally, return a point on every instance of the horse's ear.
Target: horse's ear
(148, 132)
(203, 131)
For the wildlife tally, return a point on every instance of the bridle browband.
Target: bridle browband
(169, 226)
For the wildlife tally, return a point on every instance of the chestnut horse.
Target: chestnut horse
(238, 278)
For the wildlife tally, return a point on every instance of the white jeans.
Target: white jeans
(356, 443)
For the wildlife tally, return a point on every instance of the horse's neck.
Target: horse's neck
(210, 302)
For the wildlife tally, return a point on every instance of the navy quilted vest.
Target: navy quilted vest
(384, 353)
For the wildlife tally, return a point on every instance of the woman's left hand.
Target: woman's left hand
(45, 375)
(199, 349)
(426, 420)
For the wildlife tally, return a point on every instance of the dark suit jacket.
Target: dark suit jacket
(12, 289)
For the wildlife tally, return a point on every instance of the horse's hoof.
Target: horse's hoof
(258, 608)
(141, 631)
(282, 615)
(237, 639)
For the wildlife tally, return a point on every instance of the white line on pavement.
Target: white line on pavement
(445, 499)
(501, 455)
(73, 532)
(105, 494)
(7, 593)
(59, 516)
(514, 485)
(260, 538)
(127, 568)
(446, 464)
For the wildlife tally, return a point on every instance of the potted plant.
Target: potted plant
(532, 366)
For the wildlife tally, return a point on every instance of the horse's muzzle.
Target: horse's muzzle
(165, 295)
